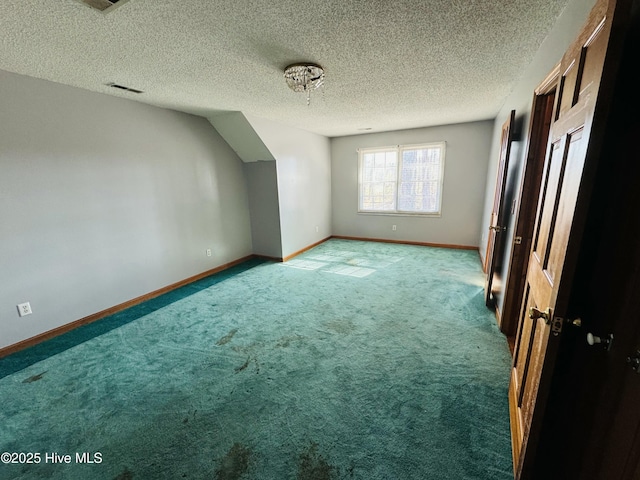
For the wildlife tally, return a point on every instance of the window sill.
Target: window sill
(402, 214)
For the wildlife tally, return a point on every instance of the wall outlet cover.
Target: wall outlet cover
(24, 309)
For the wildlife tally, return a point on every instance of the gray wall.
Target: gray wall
(262, 183)
(303, 164)
(467, 155)
(520, 100)
(104, 199)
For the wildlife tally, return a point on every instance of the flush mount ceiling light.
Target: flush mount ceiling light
(304, 77)
(104, 6)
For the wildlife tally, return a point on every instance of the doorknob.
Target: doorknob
(535, 314)
(604, 342)
(576, 322)
(497, 228)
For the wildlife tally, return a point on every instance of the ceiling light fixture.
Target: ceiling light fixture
(304, 77)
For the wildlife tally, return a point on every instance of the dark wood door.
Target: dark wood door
(572, 155)
(609, 386)
(497, 227)
(541, 115)
(620, 443)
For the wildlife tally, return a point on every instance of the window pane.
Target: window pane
(378, 172)
(368, 160)
(390, 174)
(418, 189)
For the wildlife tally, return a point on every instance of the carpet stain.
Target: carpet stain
(284, 342)
(34, 378)
(243, 366)
(249, 349)
(124, 475)
(341, 326)
(234, 464)
(313, 466)
(250, 359)
(186, 419)
(227, 338)
(351, 470)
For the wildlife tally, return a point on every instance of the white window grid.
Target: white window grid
(401, 179)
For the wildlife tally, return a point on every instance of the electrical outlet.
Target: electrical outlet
(393, 227)
(208, 252)
(24, 309)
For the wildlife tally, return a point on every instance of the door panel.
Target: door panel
(592, 52)
(529, 390)
(547, 207)
(522, 353)
(562, 206)
(572, 168)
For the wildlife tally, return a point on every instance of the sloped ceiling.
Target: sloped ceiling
(241, 137)
(389, 64)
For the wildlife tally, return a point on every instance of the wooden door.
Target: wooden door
(575, 142)
(497, 227)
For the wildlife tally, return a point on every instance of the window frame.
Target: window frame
(399, 149)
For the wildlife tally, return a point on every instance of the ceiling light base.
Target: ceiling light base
(304, 77)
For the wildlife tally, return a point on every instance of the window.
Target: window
(401, 179)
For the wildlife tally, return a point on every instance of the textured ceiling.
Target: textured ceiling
(389, 65)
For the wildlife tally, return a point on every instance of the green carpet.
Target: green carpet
(355, 360)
